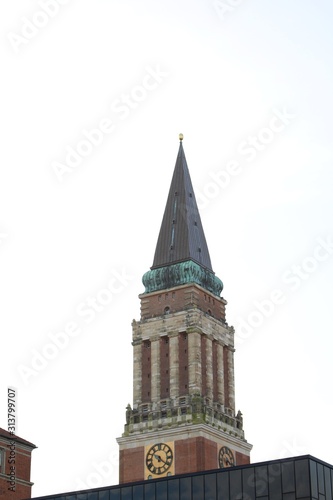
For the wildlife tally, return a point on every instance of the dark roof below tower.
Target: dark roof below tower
(181, 236)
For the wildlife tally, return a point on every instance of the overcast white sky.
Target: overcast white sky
(249, 84)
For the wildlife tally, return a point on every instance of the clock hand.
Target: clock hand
(158, 458)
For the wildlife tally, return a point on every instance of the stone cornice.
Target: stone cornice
(185, 432)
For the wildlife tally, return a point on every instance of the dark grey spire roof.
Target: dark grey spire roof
(181, 235)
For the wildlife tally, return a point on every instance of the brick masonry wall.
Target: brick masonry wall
(22, 471)
(195, 455)
(199, 454)
(158, 303)
(242, 459)
(21, 491)
(131, 465)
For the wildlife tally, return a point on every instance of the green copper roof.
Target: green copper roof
(181, 254)
(162, 278)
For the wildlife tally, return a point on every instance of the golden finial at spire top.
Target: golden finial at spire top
(181, 137)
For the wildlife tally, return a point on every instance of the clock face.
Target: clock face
(226, 458)
(159, 458)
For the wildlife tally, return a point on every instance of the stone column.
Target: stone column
(220, 374)
(137, 372)
(155, 369)
(174, 365)
(209, 368)
(194, 361)
(231, 378)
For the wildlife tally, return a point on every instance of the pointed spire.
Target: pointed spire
(181, 254)
(181, 235)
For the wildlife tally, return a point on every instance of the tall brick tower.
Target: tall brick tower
(183, 417)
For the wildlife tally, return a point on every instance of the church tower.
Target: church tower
(183, 417)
